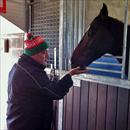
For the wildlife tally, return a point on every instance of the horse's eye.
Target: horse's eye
(90, 32)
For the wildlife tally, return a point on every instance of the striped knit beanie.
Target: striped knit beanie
(34, 45)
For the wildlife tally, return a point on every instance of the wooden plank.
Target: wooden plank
(83, 106)
(76, 108)
(111, 108)
(64, 112)
(101, 107)
(69, 111)
(92, 106)
(55, 114)
(122, 109)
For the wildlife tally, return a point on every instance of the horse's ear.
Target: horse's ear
(104, 12)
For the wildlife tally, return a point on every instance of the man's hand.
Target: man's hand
(76, 71)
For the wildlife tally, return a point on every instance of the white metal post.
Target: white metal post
(125, 38)
(60, 107)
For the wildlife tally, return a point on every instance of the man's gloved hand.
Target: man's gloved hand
(76, 71)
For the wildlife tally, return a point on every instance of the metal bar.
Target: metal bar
(125, 38)
(67, 40)
(55, 58)
(70, 15)
(61, 40)
(80, 27)
(119, 57)
(65, 32)
(109, 55)
(26, 16)
(30, 9)
(107, 63)
(73, 17)
(61, 35)
(30, 18)
(84, 17)
(121, 83)
(76, 18)
(104, 70)
(129, 63)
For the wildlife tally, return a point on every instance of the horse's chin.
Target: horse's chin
(81, 67)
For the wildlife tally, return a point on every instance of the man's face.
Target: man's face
(43, 57)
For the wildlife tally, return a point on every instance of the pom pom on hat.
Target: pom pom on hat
(30, 36)
(34, 45)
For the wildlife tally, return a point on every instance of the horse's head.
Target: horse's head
(101, 37)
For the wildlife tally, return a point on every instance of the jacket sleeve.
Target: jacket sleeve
(52, 89)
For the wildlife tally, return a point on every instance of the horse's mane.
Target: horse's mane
(116, 22)
(119, 25)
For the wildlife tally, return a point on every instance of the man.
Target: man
(30, 92)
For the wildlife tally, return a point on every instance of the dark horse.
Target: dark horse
(105, 35)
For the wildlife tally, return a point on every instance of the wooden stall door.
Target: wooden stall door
(95, 106)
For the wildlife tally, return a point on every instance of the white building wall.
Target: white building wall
(6, 63)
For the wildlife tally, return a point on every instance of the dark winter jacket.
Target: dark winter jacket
(30, 105)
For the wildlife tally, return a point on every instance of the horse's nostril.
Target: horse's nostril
(82, 67)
